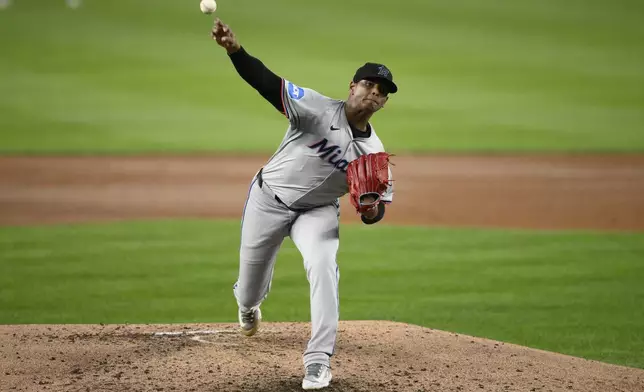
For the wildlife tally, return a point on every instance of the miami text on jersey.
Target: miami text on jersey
(330, 154)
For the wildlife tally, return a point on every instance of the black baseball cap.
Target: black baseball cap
(376, 71)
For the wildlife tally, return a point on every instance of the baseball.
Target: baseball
(208, 6)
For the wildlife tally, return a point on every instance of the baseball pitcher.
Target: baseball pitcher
(329, 149)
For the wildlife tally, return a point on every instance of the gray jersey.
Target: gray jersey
(309, 167)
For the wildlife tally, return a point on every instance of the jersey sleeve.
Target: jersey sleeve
(388, 196)
(375, 145)
(301, 104)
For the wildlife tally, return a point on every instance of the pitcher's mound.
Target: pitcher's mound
(370, 356)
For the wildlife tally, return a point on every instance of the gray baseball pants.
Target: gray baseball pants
(265, 223)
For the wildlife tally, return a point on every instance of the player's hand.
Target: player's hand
(373, 211)
(224, 36)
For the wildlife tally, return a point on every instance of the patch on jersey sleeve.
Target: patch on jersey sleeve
(294, 91)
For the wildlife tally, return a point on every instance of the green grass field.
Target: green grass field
(117, 76)
(577, 293)
(131, 76)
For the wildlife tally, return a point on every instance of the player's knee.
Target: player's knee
(321, 266)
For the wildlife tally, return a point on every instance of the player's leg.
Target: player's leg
(265, 223)
(316, 235)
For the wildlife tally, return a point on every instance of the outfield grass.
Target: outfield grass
(579, 293)
(131, 76)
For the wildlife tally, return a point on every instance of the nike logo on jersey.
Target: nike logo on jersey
(330, 154)
(334, 128)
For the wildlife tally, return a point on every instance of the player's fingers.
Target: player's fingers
(219, 27)
(221, 33)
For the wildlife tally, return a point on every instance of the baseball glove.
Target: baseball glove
(368, 179)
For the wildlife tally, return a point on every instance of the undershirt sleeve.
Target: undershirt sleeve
(262, 79)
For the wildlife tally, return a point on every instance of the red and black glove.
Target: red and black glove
(368, 179)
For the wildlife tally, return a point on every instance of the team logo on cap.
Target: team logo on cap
(294, 91)
(383, 71)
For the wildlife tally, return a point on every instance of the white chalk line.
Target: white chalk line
(198, 336)
(201, 332)
(200, 340)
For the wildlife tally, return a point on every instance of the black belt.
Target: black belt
(260, 182)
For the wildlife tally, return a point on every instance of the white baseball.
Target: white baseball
(4, 4)
(208, 6)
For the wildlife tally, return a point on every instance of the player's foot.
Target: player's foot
(249, 321)
(317, 376)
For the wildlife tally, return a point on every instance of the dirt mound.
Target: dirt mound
(371, 356)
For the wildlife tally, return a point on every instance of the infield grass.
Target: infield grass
(129, 76)
(578, 293)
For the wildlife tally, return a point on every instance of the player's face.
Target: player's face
(368, 95)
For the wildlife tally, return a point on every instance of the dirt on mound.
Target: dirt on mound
(370, 356)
